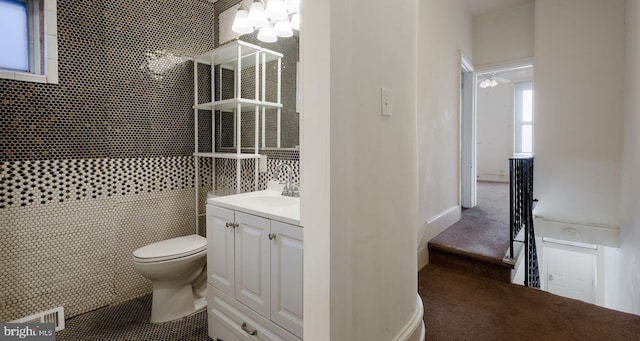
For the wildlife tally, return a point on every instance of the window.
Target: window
(14, 46)
(28, 43)
(523, 118)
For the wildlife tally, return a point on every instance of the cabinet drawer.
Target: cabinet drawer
(232, 315)
(218, 330)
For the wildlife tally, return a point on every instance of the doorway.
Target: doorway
(570, 271)
(491, 102)
(504, 103)
(504, 123)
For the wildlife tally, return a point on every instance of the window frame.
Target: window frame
(43, 44)
(518, 120)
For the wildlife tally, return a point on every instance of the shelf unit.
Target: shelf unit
(236, 56)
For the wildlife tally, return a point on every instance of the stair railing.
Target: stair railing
(521, 216)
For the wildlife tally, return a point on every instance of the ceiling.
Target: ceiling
(477, 7)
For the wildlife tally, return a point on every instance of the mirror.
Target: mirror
(290, 118)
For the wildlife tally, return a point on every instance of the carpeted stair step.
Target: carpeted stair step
(459, 306)
(469, 262)
(477, 243)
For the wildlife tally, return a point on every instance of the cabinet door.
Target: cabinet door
(220, 249)
(286, 276)
(252, 262)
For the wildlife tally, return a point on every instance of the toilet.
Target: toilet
(177, 270)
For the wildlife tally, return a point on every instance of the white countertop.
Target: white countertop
(260, 203)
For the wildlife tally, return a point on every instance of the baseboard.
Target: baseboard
(435, 226)
(414, 329)
(423, 257)
(577, 232)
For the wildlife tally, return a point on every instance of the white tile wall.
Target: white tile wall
(77, 252)
(61, 255)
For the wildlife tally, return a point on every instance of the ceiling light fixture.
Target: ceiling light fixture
(488, 83)
(241, 22)
(491, 81)
(276, 18)
(267, 34)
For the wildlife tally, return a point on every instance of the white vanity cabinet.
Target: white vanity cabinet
(254, 269)
(286, 276)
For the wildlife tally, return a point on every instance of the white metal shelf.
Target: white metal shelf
(232, 104)
(236, 56)
(227, 55)
(241, 156)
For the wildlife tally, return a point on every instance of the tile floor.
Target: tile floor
(130, 321)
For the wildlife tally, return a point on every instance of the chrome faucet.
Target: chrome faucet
(290, 189)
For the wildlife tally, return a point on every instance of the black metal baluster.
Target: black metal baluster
(521, 215)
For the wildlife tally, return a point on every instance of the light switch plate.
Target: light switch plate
(386, 101)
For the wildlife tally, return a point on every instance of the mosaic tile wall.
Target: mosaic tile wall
(46, 181)
(78, 254)
(226, 171)
(126, 83)
(99, 165)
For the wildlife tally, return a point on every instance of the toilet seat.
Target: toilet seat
(171, 249)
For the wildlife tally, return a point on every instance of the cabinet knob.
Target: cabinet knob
(272, 236)
(228, 224)
(249, 330)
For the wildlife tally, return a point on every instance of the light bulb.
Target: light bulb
(283, 29)
(241, 22)
(275, 10)
(267, 34)
(295, 21)
(493, 83)
(483, 83)
(257, 18)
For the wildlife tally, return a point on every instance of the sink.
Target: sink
(271, 201)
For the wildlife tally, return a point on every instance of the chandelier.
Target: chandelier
(276, 18)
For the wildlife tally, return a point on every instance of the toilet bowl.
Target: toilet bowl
(177, 270)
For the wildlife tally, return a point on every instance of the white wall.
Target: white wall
(444, 29)
(504, 35)
(359, 169)
(494, 117)
(320, 321)
(622, 265)
(579, 68)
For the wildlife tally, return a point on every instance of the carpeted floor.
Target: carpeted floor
(459, 306)
(484, 229)
(130, 321)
